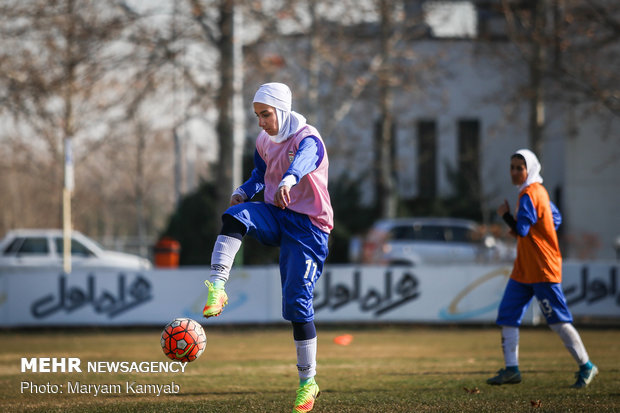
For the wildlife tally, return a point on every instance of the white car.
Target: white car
(414, 241)
(42, 248)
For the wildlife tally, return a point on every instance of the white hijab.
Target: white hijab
(533, 168)
(279, 96)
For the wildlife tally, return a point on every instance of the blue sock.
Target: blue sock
(587, 366)
(304, 331)
(514, 369)
(219, 283)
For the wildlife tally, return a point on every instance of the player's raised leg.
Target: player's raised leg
(252, 218)
(226, 247)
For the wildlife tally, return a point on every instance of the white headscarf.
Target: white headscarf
(533, 168)
(279, 96)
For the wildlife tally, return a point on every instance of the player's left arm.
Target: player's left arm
(526, 217)
(308, 157)
(557, 215)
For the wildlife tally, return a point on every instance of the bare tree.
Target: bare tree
(527, 27)
(571, 48)
(586, 44)
(97, 73)
(53, 66)
(385, 184)
(219, 29)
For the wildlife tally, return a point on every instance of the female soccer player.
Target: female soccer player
(537, 271)
(291, 167)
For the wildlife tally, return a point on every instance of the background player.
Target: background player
(291, 166)
(537, 272)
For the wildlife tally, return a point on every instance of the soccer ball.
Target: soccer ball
(183, 339)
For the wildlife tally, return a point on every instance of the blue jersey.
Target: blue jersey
(528, 216)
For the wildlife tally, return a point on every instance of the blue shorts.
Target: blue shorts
(517, 297)
(303, 250)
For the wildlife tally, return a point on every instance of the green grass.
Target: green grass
(384, 369)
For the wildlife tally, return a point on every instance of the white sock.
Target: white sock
(306, 358)
(572, 341)
(223, 256)
(510, 345)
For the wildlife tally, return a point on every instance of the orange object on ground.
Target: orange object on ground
(343, 340)
(167, 253)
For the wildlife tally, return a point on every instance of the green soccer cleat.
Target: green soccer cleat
(305, 397)
(216, 301)
(505, 377)
(584, 377)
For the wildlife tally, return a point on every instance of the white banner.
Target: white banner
(592, 289)
(435, 294)
(344, 293)
(107, 297)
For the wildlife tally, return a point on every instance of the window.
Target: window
(34, 246)
(469, 155)
(427, 158)
(459, 234)
(417, 232)
(77, 248)
(452, 19)
(429, 232)
(13, 246)
(403, 232)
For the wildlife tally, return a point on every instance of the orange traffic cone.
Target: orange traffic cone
(343, 340)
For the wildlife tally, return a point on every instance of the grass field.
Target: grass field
(384, 369)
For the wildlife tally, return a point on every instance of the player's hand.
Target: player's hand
(236, 199)
(282, 197)
(503, 208)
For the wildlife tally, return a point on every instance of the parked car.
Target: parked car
(43, 248)
(412, 241)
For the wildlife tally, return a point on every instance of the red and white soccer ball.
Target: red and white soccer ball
(183, 339)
